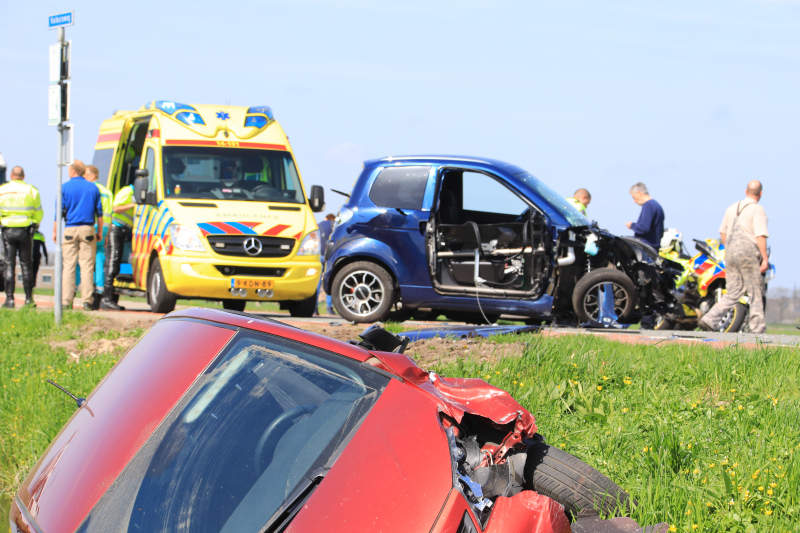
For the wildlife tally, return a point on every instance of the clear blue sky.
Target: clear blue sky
(693, 98)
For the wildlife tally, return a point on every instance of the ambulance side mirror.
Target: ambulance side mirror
(140, 186)
(317, 198)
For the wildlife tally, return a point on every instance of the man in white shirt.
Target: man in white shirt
(744, 234)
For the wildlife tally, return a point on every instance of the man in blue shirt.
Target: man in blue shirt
(82, 207)
(650, 226)
(325, 230)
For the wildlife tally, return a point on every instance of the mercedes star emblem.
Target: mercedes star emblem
(252, 246)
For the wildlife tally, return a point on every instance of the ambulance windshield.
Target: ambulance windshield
(211, 173)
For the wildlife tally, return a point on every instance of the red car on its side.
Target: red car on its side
(218, 421)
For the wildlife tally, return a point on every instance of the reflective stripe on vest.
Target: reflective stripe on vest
(107, 200)
(124, 196)
(20, 205)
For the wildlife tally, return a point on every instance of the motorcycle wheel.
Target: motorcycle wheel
(734, 320)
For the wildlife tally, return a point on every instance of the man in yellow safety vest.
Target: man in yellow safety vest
(121, 225)
(20, 215)
(580, 200)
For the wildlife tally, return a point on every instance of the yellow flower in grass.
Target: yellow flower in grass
(773, 484)
(774, 401)
(488, 376)
(645, 450)
(627, 381)
(599, 388)
(740, 407)
(770, 492)
(673, 528)
(625, 410)
(708, 504)
(767, 512)
(711, 465)
(696, 471)
(688, 512)
(761, 488)
(694, 526)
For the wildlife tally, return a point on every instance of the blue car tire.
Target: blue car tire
(363, 292)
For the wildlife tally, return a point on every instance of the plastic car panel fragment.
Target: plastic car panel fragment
(112, 425)
(527, 511)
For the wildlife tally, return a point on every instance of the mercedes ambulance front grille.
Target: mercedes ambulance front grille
(238, 245)
(228, 270)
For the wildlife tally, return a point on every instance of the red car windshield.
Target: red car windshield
(263, 417)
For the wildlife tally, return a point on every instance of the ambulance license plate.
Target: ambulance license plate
(245, 283)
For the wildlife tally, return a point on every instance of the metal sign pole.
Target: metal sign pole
(59, 230)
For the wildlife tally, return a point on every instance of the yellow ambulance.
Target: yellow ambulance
(221, 213)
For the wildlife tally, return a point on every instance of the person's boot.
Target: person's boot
(331, 311)
(29, 297)
(9, 303)
(107, 303)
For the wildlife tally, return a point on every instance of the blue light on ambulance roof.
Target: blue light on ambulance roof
(262, 109)
(255, 121)
(170, 107)
(190, 118)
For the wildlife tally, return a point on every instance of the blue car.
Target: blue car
(474, 238)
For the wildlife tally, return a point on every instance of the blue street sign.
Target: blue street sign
(66, 18)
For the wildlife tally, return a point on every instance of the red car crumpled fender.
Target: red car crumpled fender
(463, 395)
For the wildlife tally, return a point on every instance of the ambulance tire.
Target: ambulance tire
(158, 296)
(303, 308)
(234, 305)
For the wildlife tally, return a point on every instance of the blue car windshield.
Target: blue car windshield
(557, 202)
(264, 417)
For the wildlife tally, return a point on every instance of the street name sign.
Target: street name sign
(67, 18)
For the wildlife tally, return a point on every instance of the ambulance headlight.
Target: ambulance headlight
(310, 245)
(184, 238)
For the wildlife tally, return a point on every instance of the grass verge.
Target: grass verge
(702, 438)
(32, 411)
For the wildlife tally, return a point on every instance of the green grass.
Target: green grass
(690, 431)
(32, 411)
(697, 435)
(782, 329)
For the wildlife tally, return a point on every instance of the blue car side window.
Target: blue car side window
(401, 187)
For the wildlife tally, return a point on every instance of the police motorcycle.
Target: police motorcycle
(702, 284)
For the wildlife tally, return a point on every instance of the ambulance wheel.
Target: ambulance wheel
(303, 308)
(234, 305)
(158, 296)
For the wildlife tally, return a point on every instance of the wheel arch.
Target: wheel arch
(348, 259)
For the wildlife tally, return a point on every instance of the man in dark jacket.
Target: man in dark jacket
(650, 226)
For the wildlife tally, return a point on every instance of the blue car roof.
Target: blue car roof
(515, 175)
(439, 159)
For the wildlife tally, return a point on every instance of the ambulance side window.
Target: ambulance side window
(150, 165)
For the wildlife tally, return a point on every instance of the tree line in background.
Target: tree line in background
(783, 305)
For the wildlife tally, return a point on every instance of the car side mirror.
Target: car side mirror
(317, 198)
(141, 184)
